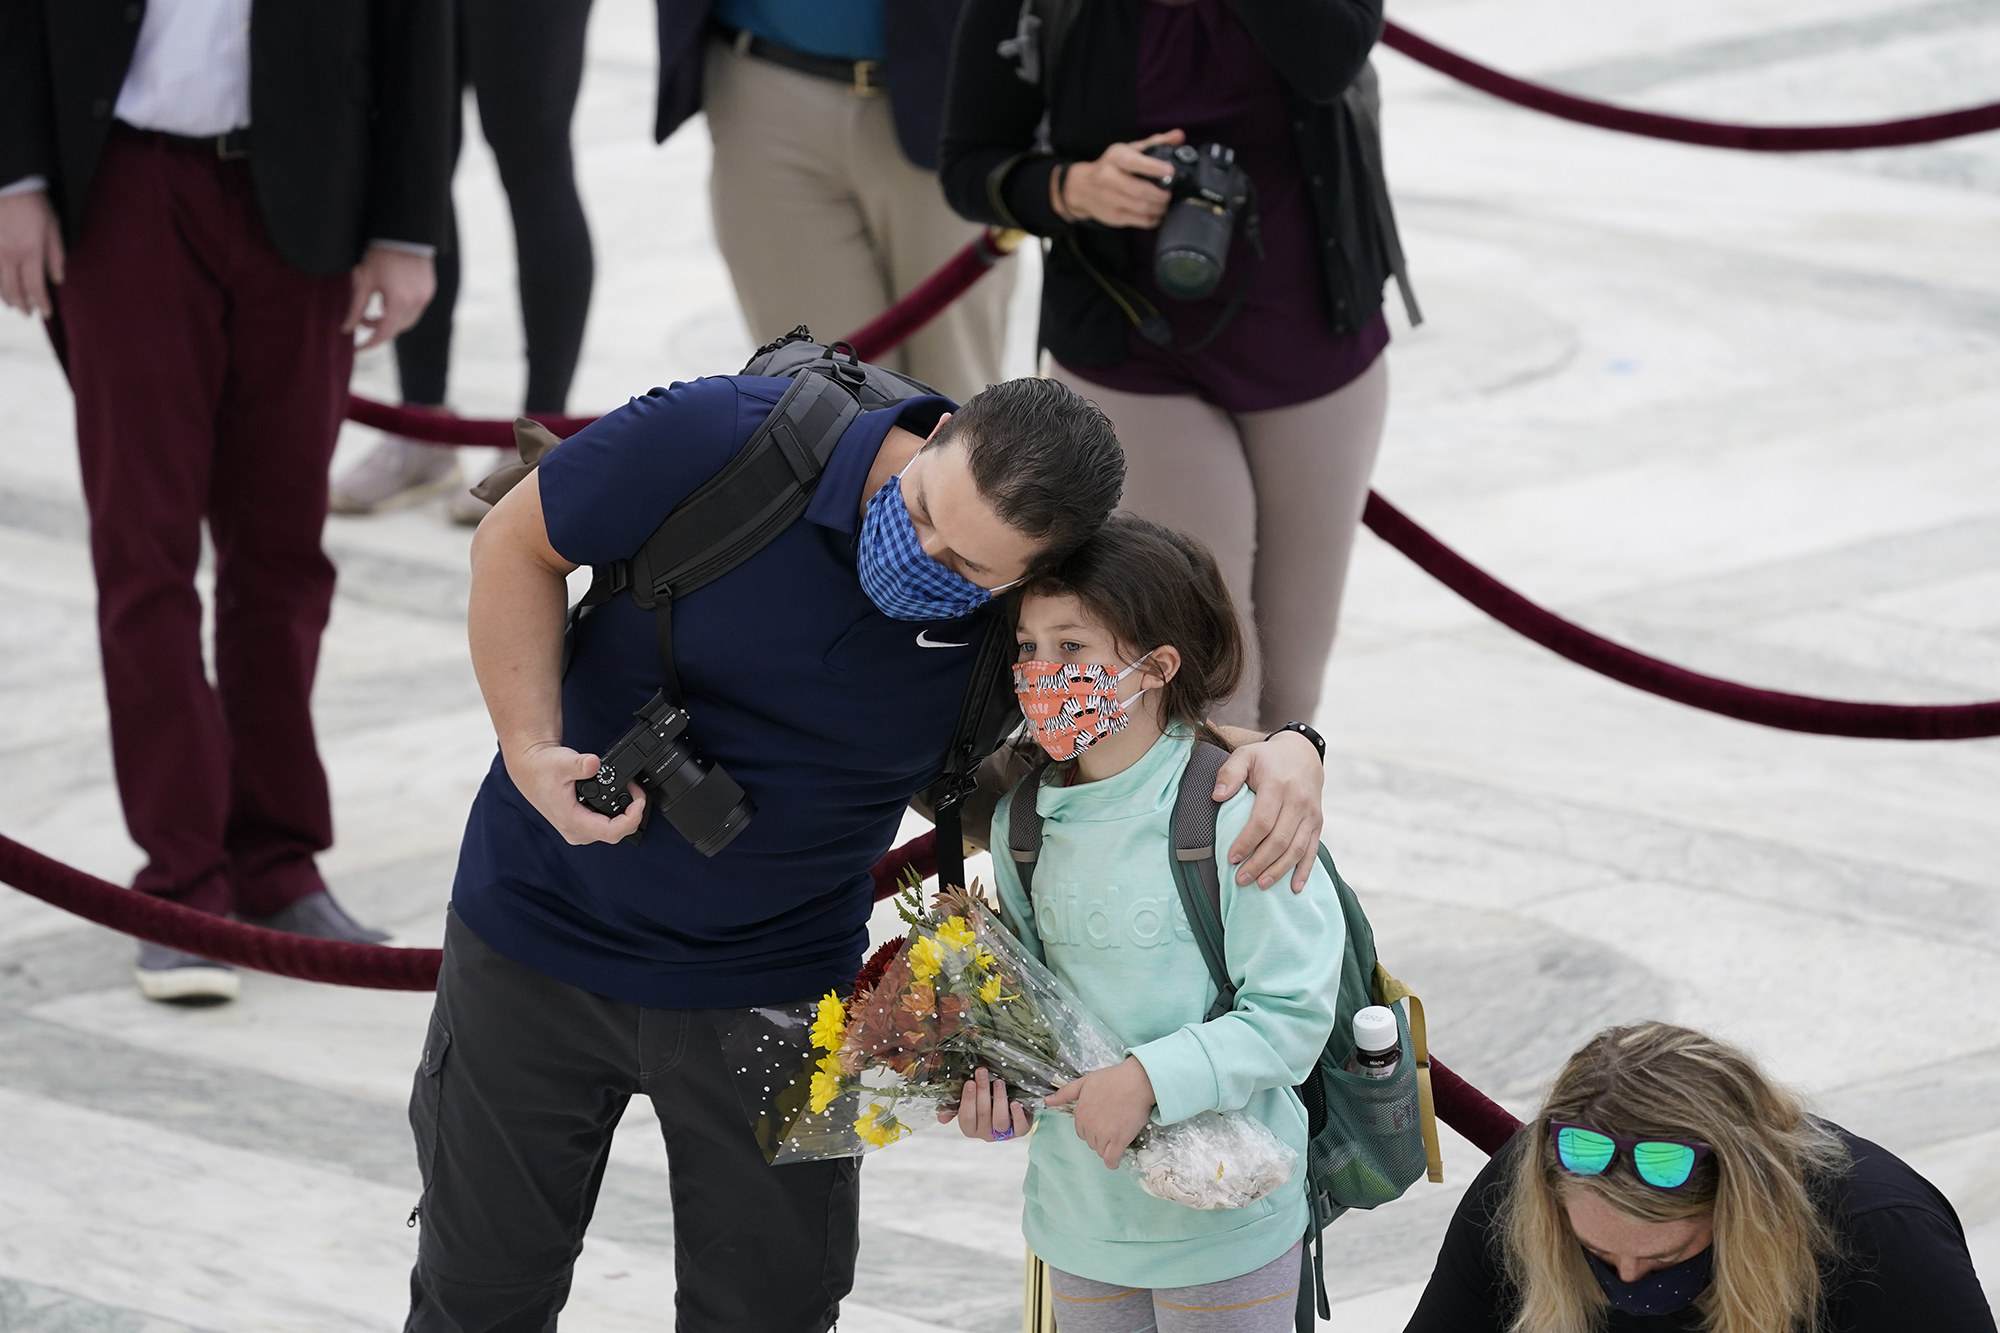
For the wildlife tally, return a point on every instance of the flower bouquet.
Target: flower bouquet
(959, 993)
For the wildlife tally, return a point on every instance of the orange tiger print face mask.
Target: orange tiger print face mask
(1070, 706)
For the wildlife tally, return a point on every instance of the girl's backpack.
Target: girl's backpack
(1368, 1139)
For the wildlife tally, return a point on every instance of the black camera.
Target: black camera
(696, 795)
(1209, 190)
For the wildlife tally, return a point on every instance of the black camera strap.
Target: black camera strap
(989, 714)
(1146, 317)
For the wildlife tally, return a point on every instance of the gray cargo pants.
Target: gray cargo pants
(522, 1081)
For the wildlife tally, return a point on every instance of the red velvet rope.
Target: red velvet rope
(375, 966)
(1769, 708)
(379, 967)
(439, 428)
(928, 299)
(886, 332)
(1682, 129)
(1482, 1121)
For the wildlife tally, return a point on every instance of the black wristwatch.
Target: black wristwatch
(1319, 742)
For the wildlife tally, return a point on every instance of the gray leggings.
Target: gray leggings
(1277, 496)
(1265, 1301)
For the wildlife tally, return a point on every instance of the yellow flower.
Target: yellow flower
(831, 1023)
(925, 959)
(983, 959)
(989, 989)
(955, 935)
(826, 1083)
(879, 1127)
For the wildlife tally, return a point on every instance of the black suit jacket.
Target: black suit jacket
(350, 114)
(919, 55)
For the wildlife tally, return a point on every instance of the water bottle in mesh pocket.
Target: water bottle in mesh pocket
(1366, 1134)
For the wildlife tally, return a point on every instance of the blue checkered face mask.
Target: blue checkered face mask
(903, 581)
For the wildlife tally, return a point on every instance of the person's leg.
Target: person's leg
(1311, 464)
(1184, 467)
(1084, 1306)
(525, 58)
(275, 427)
(914, 232)
(147, 360)
(787, 220)
(770, 1248)
(423, 351)
(521, 1084)
(1264, 1301)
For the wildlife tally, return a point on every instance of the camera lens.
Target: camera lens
(710, 810)
(701, 800)
(1186, 274)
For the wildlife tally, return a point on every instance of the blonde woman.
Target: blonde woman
(1669, 1185)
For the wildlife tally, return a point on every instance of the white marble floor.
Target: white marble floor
(1737, 410)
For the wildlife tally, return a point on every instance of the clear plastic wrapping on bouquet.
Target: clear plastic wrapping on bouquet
(960, 993)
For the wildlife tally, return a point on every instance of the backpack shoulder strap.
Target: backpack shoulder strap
(986, 716)
(1195, 873)
(1024, 830)
(736, 513)
(757, 494)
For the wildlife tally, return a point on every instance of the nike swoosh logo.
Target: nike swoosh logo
(924, 640)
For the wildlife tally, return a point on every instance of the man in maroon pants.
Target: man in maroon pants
(206, 199)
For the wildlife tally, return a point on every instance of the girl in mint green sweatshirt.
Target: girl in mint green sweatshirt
(1122, 654)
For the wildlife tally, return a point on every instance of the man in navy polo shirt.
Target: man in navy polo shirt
(825, 675)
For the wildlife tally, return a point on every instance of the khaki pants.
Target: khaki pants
(824, 222)
(1276, 496)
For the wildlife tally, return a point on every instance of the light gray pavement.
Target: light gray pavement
(1736, 410)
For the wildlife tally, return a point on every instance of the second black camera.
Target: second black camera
(1209, 191)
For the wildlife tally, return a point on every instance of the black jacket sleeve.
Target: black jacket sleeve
(412, 86)
(27, 128)
(988, 164)
(1318, 45)
(1467, 1292)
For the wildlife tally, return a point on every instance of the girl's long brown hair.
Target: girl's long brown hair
(1151, 586)
(1767, 1159)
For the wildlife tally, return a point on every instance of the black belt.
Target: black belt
(864, 77)
(230, 147)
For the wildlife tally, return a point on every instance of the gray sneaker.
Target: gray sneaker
(395, 474)
(317, 916)
(173, 977)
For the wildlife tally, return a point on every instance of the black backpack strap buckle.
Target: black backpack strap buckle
(849, 372)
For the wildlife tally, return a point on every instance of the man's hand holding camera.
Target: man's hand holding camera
(547, 773)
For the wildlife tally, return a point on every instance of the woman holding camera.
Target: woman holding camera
(1668, 1185)
(1250, 402)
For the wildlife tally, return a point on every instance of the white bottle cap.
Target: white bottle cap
(1375, 1029)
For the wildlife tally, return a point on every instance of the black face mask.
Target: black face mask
(1660, 1292)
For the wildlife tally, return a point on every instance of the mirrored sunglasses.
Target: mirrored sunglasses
(1662, 1163)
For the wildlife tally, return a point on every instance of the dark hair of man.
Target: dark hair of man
(1152, 586)
(1047, 461)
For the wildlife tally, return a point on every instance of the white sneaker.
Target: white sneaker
(171, 976)
(397, 473)
(466, 509)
